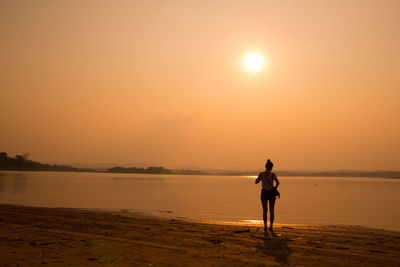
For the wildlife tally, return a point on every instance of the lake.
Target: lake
(371, 202)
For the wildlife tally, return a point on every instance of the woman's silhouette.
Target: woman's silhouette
(267, 179)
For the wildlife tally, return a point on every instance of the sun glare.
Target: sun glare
(253, 62)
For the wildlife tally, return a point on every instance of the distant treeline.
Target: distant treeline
(150, 170)
(22, 163)
(153, 170)
(381, 174)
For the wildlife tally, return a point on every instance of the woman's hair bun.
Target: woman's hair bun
(269, 164)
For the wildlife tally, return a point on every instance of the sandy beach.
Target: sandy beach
(46, 236)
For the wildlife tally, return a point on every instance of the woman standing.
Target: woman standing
(267, 179)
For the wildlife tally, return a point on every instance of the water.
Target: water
(371, 202)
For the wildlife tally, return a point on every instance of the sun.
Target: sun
(253, 62)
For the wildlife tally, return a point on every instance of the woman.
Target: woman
(267, 179)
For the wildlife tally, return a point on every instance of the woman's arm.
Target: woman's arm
(258, 179)
(276, 180)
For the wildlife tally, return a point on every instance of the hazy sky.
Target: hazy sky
(162, 83)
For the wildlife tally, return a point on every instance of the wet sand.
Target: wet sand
(46, 236)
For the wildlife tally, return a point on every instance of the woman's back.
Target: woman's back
(267, 180)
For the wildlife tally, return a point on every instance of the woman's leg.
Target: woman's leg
(271, 213)
(265, 211)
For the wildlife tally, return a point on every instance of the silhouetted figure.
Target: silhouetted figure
(267, 179)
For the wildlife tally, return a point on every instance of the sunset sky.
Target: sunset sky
(164, 83)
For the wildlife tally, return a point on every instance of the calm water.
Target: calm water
(372, 202)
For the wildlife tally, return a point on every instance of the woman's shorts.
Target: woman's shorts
(267, 195)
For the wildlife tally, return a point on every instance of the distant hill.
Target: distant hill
(344, 173)
(150, 170)
(22, 163)
(153, 170)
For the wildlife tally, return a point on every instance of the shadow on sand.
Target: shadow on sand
(276, 247)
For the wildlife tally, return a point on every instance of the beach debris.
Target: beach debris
(215, 241)
(376, 251)
(166, 211)
(242, 231)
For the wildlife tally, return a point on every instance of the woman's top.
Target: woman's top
(267, 180)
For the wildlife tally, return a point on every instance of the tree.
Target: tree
(3, 155)
(22, 157)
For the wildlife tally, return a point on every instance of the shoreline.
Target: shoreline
(32, 236)
(351, 174)
(167, 215)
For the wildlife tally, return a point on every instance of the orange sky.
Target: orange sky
(162, 83)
